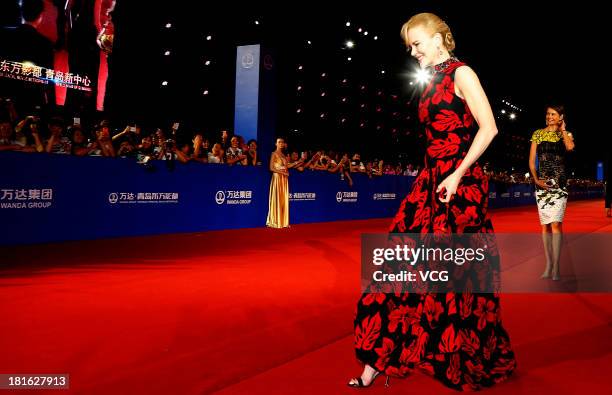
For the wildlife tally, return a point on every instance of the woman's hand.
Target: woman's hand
(449, 185)
(541, 183)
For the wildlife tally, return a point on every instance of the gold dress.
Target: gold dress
(278, 203)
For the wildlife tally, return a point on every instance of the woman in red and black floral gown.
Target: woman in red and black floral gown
(456, 337)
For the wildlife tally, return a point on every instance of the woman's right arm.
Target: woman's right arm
(272, 168)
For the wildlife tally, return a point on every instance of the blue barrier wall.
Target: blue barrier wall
(48, 198)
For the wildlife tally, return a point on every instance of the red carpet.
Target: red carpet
(258, 311)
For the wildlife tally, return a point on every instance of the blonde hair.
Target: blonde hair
(432, 23)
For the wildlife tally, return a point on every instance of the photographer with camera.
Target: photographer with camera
(57, 142)
(132, 134)
(234, 154)
(104, 140)
(27, 134)
(201, 149)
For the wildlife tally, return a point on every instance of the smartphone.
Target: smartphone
(132, 128)
(77, 121)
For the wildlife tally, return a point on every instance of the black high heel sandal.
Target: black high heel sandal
(359, 381)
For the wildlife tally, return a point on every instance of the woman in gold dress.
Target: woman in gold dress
(278, 205)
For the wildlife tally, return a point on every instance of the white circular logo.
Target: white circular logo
(220, 197)
(113, 198)
(247, 60)
(339, 197)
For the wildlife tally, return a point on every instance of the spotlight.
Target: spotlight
(257, 22)
(365, 33)
(375, 37)
(348, 24)
(207, 63)
(167, 53)
(512, 116)
(503, 111)
(208, 38)
(350, 44)
(205, 93)
(164, 83)
(422, 76)
(349, 58)
(168, 25)
(300, 67)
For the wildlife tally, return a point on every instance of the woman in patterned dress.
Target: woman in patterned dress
(456, 337)
(549, 146)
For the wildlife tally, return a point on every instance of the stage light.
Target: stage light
(360, 30)
(503, 111)
(207, 63)
(322, 94)
(167, 53)
(348, 24)
(300, 67)
(323, 75)
(365, 33)
(164, 83)
(382, 71)
(309, 42)
(349, 58)
(208, 38)
(344, 100)
(344, 81)
(350, 44)
(512, 116)
(422, 76)
(375, 37)
(322, 115)
(299, 110)
(168, 25)
(257, 22)
(205, 92)
(299, 88)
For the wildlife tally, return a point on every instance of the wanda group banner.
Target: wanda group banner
(47, 198)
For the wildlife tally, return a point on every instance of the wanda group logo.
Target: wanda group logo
(248, 60)
(220, 197)
(113, 198)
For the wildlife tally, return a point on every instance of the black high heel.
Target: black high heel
(359, 381)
